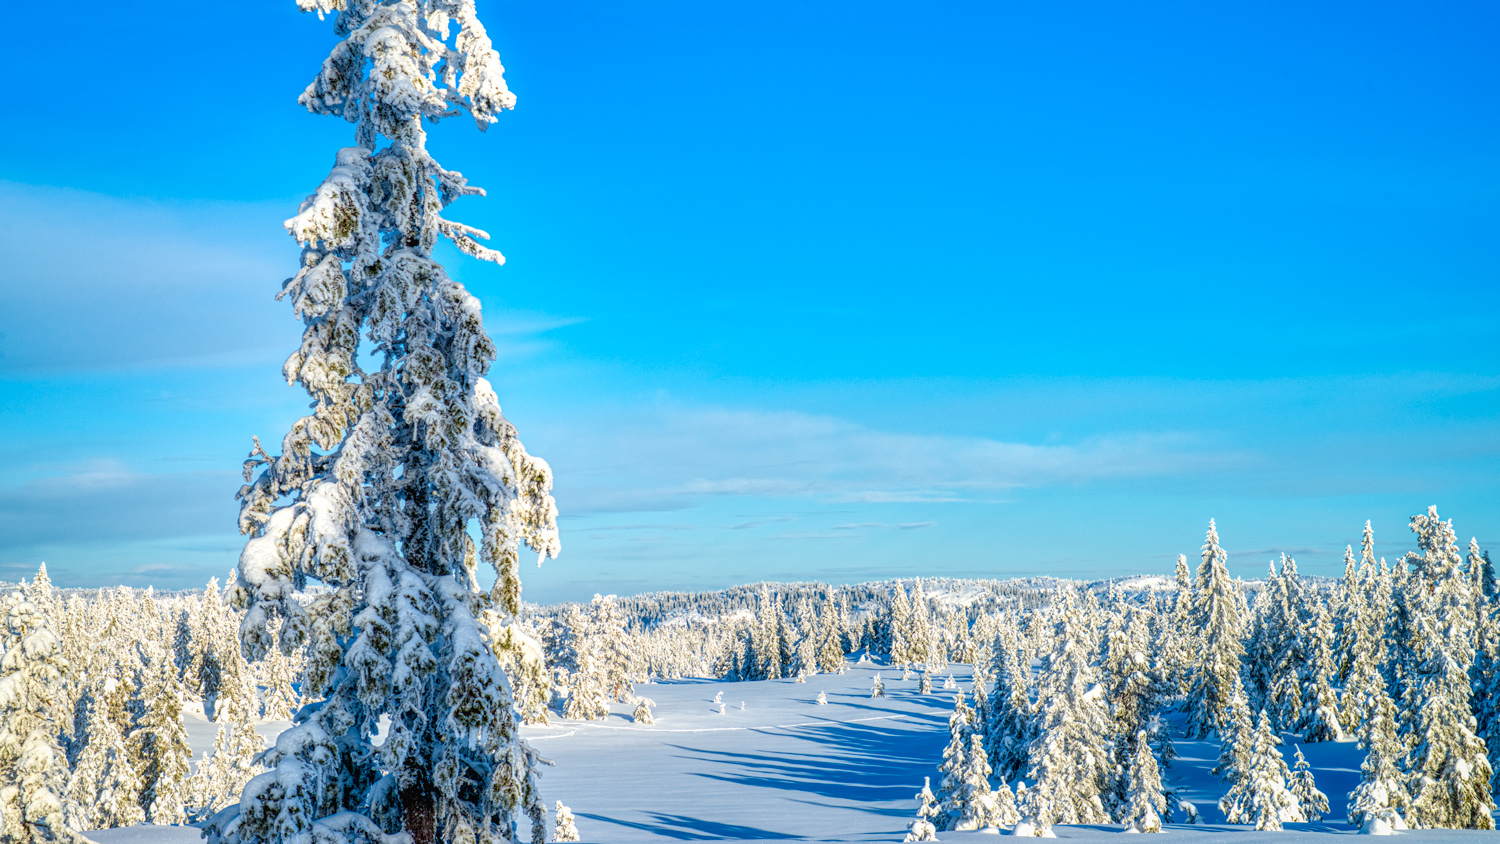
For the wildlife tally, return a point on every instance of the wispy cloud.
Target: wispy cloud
(104, 501)
(95, 282)
(885, 526)
(672, 456)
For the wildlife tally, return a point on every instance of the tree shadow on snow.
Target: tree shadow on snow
(861, 763)
(684, 828)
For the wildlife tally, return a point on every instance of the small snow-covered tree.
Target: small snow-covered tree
(877, 687)
(375, 493)
(563, 826)
(280, 671)
(921, 828)
(33, 770)
(822, 699)
(1144, 801)
(159, 746)
(222, 774)
(1260, 795)
(1312, 802)
(1239, 737)
(103, 791)
(642, 714)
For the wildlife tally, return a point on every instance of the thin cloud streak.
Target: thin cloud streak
(676, 457)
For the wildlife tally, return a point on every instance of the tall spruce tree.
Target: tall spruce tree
(1448, 764)
(1216, 613)
(1070, 758)
(375, 492)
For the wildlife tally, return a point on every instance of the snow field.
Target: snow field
(787, 768)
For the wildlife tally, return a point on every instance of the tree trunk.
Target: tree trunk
(419, 813)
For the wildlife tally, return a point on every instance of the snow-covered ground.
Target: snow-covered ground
(786, 768)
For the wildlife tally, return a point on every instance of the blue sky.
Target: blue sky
(803, 290)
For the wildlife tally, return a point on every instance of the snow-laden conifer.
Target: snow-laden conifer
(965, 799)
(1134, 689)
(1238, 738)
(1320, 719)
(103, 790)
(1070, 764)
(642, 714)
(159, 746)
(1450, 770)
(1312, 802)
(34, 799)
(222, 774)
(1260, 794)
(921, 828)
(1144, 800)
(375, 492)
(281, 671)
(877, 687)
(1275, 651)
(1216, 613)
(563, 826)
(830, 652)
(1011, 724)
(1382, 783)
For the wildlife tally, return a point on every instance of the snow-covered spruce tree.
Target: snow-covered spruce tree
(642, 714)
(222, 775)
(103, 791)
(1011, 722)
(159, 746)
(563, 827)
(1320, 719)
(33, 770)
(1450, 770)
(1238, 740)
(281, 671)
(921, 828)
(1274, 653)
(1216, 614)
(902, 649)
(1312, 802)
(1382, 783)
(1070, 764)
(1260, 795)
(830, 651)
(1133, 688)
(965, 799)
(1144, 800)
(375, 492)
